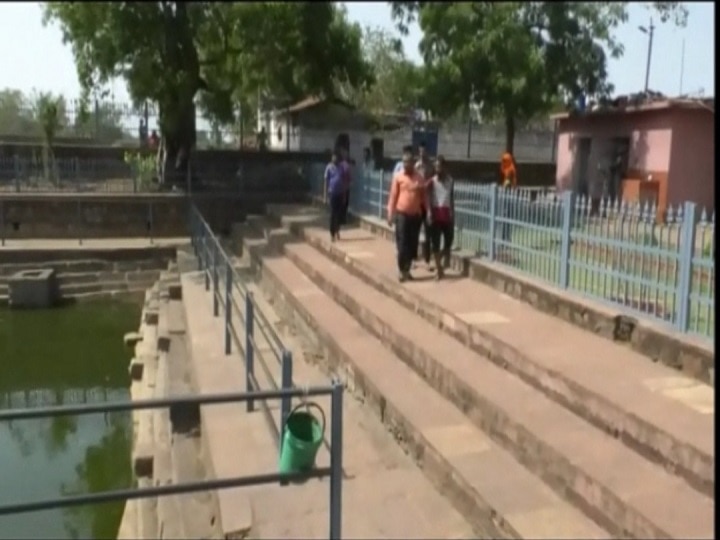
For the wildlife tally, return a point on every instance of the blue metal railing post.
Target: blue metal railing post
(249, 348)
(336, 465)
(381, 183)
(18, 173)
(568, 207)
(685, 257)
(201, 246)
(150, 223)
(2, 224)
(287, 382)
(228, 307)
(493, 221)
(216, 299)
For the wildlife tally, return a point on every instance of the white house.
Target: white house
(315, 125)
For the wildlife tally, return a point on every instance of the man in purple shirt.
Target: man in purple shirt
(335, 195)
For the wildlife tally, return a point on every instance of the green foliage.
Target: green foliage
(224, 54)
(23, 115)
(143, 169)
(517, 59)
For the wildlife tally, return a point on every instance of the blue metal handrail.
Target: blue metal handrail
(334, 470)
(211, 257)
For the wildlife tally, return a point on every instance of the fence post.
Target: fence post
(216, 300)
(249, 348)
(287, 383)
(201, 247)
(685, 257)
(336, 455)
(150, 221)
(493, 221)
(568, 206)
(381, 183)
(228, 306)
(16, 167)
(79, 222)
(207, 259)
(2, 224)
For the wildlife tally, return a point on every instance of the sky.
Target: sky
(34, 57)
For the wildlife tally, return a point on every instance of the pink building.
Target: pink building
(661, 152)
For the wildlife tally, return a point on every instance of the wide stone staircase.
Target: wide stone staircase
(528, 426)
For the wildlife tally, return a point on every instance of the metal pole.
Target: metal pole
(150, 221)
(682, 66)
(651, 29)
(287, 382)
(2, 224)
(216, 300)
(336, 466)
(249, 348)
(228, 307)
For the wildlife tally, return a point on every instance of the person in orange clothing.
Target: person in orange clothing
(404, 210)
(508, 174)
(508, 180)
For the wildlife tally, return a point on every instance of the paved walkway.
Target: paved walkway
(384, 494)
(649, 402)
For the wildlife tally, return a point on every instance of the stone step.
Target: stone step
(570, 455)
(89, 266)
(666, 417)
(498, 496)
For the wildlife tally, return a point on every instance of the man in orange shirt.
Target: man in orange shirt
(404, 210)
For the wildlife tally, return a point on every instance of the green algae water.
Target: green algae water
(67, 355)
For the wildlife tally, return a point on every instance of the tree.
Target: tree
(173, 52)
(50, 114)
(515, 59)
(16, 113)
(395, 85)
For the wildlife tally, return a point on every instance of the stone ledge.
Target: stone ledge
(664, 345)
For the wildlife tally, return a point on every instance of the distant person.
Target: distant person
(440, 201)
(508, 179)
(262, 139)
(426, 169)
(367, 158)
(404, 210)
(346, 174)
(154, 140)
(508, 173)
(399, 167)
(334, 195)
(143, 134)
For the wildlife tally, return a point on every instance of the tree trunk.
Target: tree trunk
(179, 136)
(509, 133)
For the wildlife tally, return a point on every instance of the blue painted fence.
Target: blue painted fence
(614, 252)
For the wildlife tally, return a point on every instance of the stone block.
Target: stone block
(33, 288)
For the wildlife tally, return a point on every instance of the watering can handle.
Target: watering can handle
(311, 405)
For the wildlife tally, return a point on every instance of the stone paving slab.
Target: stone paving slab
(599, 471)
(89, 244)
(666, 416)
(492, 489)
(302, 511)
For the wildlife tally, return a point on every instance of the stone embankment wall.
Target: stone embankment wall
(166, 445)
(85, 274)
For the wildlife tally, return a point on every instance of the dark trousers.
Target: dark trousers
(337, 210)
(407, 231)
(426, 242)
(441, 237)
(345, 209)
